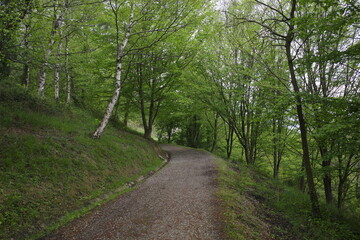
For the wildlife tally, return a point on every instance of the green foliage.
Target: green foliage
(202, 74)
(252, 200)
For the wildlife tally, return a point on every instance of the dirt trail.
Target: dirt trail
(178, 202)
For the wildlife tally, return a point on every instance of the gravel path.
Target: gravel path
(178, 202)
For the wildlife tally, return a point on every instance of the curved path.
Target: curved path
(178, 202)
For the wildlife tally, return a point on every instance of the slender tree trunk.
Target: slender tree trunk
(152, 113)
(215, 133)
(275, 151)
(229, 141)
(193, 131)
(26, 70)
(169, 133)
(343, 187)
(26, 75)
(327, 176)
(304, 141)
(127, 112)
(118, 71)
(67, 71)
(67, 40)
(340, 194)
(299, 109)
(302, 185)
(57, 66)
(147, 132)
(278, 145)
(42, 73)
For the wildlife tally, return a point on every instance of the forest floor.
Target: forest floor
(178, 202)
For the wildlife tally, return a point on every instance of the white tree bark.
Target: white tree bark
(57, 65)
(67, 39)
(118, 71)
(42, 73)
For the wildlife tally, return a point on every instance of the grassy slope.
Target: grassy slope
(50, 167)
(258, 207)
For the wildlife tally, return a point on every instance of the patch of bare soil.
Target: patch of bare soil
(178, 202)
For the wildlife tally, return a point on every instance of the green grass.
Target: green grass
(259, 207)
(51, 170)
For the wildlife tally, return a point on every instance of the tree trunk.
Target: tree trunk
(327, 175)
(25, 81)
(26, 76)
(42, 73)
(344, 173)
(302, 185)
(127, 112)
(304, 141)
(215, 133)
(275, 151)
(299, 109)
(169, 132)
(229, 141)
(118, 71)
(57, 67)
(67, 71)
(193, 131)
(147, 132)
(327, 184)
(278, 145)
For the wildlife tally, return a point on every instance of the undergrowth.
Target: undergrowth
(259, 207)
(50, 167)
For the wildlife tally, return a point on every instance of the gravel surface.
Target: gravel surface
(178, 202)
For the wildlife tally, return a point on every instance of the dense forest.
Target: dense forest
(272, 84)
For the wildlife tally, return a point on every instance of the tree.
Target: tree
(56, 24)
(12, 14)
(153, 21)
(277, 24)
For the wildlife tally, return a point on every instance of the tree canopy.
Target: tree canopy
(271, 83)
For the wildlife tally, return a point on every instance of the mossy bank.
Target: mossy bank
(50, 167)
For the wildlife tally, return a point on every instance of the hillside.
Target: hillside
(258, 207)
(52, 170)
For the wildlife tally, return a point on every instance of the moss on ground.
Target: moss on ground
(50, 167)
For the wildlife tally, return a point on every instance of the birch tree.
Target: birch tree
(146, 20)
(58, 56)
(45, 62)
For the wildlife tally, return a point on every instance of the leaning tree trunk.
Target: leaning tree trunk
(304, 141)
(119, 68)
(299, 109)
